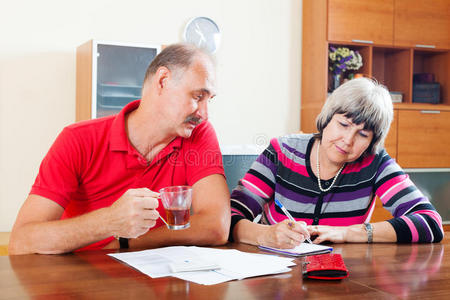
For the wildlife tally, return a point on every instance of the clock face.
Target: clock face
(204, 33)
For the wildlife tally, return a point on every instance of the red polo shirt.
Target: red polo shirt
(92, 163)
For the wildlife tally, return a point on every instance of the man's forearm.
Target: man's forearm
(59, 236)
(209, 225)
(204, 230)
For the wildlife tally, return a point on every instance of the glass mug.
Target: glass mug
(177, 204)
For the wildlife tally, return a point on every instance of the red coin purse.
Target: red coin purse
(325, 266)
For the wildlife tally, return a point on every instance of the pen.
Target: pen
(288, 215)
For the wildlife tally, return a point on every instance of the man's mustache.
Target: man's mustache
(193, 119)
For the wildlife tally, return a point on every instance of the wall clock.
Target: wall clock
(202, 32)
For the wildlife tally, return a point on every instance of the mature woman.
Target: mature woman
(328, 181)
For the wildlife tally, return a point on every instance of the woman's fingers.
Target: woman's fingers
(335, 234)
(301, 228)
(296, 233)
(288, 234)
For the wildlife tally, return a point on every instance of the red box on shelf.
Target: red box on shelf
(423, 78)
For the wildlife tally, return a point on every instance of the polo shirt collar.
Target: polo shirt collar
(119, 139)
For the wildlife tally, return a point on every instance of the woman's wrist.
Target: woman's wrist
(356, 234)
(248, 232)
(261, 234)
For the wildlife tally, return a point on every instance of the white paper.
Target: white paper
(193, 265)
(233, 264)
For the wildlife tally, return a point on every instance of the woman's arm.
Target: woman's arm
(254, 190)
(285, 234)
(415, 219)
(382, 232)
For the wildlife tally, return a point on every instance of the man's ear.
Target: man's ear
(162, 76)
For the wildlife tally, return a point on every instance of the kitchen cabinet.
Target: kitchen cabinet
(361, 21)
(423, 139)
(109, 76)
(422, 23)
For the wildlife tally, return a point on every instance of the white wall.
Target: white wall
(258, 71)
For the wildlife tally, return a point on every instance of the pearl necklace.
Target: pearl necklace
(318, 173)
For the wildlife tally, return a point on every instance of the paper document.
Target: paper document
(302, 250)
(224, 264)
(193, 265)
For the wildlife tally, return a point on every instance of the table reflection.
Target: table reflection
(399, 269)
(402, 274)
(97, 275)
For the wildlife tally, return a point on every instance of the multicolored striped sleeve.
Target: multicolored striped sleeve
(415, 219)
(255, 189)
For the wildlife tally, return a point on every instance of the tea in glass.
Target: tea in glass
(177, 203)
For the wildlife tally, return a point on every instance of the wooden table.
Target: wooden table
(376, 271)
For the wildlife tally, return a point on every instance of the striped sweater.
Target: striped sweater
(283, 172)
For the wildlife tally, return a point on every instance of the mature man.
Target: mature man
(100, 178)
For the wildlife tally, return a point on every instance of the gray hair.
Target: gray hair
(175, 57)
(362, 100)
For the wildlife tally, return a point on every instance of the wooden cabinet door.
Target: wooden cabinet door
(84, 82)
(379, 212)
(423, 139)
(391, 140)
(356, 20)
(422, 22)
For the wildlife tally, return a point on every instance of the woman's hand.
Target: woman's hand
(382, 232)
(286, 234)
(335, 234)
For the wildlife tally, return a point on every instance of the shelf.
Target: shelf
(114, 102)
(364, 51)
(436, 62)
(392, 67)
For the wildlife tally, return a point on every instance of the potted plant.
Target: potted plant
(342, 59)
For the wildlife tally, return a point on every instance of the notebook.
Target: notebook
(303, 249)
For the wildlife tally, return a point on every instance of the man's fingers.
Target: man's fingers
(143, 192)
(149, 202)
(150, 214)
(147, 224)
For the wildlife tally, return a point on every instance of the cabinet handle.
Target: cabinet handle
(430, 111)
(425, 46)
(362, 41)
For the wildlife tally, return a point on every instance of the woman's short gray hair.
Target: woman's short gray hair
(364, 101)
